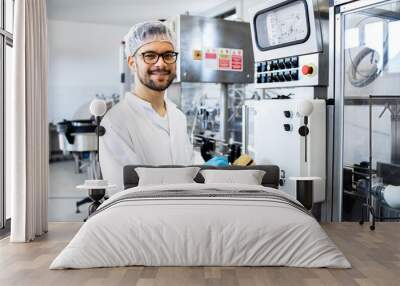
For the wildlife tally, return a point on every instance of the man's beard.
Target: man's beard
(151, 84)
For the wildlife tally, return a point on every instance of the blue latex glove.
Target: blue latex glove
(218, 161)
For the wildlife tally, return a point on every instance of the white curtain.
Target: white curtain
(27, 123)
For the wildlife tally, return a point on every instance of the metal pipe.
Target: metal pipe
(224, 112)
(370, 152)
(395, 134)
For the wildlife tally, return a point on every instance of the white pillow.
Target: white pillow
(248, 177)
(165, 176)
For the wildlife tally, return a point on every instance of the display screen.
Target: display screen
(282, 25)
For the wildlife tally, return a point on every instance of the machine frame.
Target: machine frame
(338, 10)
(315, 50)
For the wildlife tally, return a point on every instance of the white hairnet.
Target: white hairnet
(144, 33)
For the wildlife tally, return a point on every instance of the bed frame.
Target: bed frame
(270, 179)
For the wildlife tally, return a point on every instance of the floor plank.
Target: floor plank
(375, 257)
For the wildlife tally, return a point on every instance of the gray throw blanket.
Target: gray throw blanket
(203, 194)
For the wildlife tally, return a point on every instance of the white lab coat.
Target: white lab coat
(133, 137)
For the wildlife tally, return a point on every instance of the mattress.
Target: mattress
(201, 225)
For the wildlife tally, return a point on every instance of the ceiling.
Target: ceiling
(123, 12)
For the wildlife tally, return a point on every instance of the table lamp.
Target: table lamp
(98, 108)
(305, 108)
(97, 187)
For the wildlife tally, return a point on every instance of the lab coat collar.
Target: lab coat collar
(135, 100)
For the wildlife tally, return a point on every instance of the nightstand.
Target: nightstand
(304, 190)
(95, 193)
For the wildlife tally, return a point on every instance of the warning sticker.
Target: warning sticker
(223, 59)
(197, 55)
(237, 60)
(210, 58)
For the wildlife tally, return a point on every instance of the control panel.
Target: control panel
(288, 71)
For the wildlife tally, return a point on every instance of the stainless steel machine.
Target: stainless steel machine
(78, 138)
(212, 50)
(290, 43)
(215, 62)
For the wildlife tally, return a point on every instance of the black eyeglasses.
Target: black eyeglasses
(152, 57)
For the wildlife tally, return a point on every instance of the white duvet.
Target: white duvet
(200, 231)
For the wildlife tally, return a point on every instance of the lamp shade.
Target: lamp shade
(392, 196)
(305, 107)
(98, 107)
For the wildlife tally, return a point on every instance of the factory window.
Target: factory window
(6, 44)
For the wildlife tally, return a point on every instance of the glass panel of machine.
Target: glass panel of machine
(282, 25)
(371, 54)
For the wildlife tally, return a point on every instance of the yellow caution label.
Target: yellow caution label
(197, 55)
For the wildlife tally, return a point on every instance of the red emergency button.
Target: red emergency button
(307, 70)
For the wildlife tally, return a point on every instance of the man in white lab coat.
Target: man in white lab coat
(145, 128)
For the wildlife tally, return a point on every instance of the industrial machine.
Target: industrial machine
(78, 138)
(290, 44)
(366, 87)
(215, 62)
(274, 136)
(212, 50)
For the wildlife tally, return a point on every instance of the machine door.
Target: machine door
(369, 58)
(273, 138)
(273, 144)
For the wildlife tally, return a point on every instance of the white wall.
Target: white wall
(83, 61)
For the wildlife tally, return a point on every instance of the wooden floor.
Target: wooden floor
(375, 257)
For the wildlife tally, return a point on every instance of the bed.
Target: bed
(201, 224)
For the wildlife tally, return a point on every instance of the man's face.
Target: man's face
(156, 76)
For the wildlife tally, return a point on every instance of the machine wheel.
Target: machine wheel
(372, 227)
